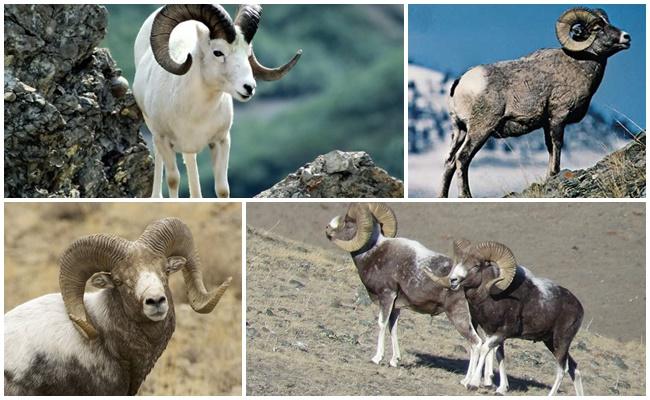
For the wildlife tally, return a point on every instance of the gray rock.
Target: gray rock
(619, 174)
(338, 174)
(71, 127)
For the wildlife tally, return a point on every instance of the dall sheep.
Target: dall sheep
(507, 301)
(394, 272)
(106, 342)
(188, 106)
(547, 89)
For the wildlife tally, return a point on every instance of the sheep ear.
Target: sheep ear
(175, 263)
(102, 280)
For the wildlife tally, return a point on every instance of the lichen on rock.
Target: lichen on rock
(338, 174)
(71, 127)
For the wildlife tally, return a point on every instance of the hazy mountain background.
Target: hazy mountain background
(345, 93)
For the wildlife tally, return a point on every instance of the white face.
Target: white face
(335, 222)
(150, 291)
(227, 65)
(457, 275)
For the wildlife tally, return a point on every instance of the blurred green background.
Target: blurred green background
(346, 92)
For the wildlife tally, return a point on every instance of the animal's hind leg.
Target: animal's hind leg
(220, 151)
(392, 326)
(458, 314)
(574, 373)
(503, 377)
(466, 153)
(156, 191)
(386, 302)
(192, 174)
(457, 139)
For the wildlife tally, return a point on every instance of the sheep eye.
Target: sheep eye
(117, 281)
(217, 53)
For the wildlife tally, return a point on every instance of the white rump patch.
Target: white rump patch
(471, 85)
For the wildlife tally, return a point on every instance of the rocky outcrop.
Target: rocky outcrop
(338, 174)
(71, 125)
(620, 174)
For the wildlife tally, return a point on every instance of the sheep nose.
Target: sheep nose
(625, 37)
(150, 301)
(249, 89)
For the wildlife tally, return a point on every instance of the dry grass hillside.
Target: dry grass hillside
(308, 312)
(204, 355)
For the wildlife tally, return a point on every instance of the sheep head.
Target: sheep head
(352, 231)
(583, 29)
(224, 48)
(138, 270)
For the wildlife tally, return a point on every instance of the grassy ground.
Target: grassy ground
(308, 312)
(204, 355)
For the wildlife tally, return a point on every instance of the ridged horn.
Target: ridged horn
(214, 17)
(272, 74)
(459, 247)
(83, 258)
(503, 258)
(363, 218)
(570, 18)
(440, 281)
(386, 217)
(248, 19)
(171, 237)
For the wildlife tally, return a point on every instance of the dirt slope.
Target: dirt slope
(311, 329)
(204, 355)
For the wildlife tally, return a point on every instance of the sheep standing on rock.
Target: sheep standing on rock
(394, 272)
(507, 301)
(106, 342)
(188, 105)
(547, 89)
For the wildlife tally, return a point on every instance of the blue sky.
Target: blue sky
(452, 38)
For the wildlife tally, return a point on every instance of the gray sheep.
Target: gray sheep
(547, 89)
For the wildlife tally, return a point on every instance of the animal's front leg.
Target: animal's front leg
(489, 343)
(166, 152)
(392, 325)
(192, 174)
(488, 371)
(458, 314)
(220, 151)
(156, 191)
(386, 302)
(503, 378)
(556, 141)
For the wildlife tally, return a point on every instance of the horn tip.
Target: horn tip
(299, 52)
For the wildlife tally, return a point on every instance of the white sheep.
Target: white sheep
(188, 106)
(104, 343)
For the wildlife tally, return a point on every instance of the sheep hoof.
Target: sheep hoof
(472, 388)
(394, 363)
(376, 360)
(501, 392)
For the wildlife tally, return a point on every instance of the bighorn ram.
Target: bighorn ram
(547, 89)
(187, 105)
(507, 301)
(393, 270)
(105, 342)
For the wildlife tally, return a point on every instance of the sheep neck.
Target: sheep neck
(135, 344)
(592, 66)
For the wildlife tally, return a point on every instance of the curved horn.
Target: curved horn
(214, 17)
(171, 237)
(248, 19)
(459, 247)
(444, 281)
(568, 20)
(79, 262)
(386, 217)
(362, 215)
(503, 258)
(272, 74)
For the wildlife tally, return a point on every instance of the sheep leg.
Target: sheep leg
(503, 377)
(574, 373)
(386, 302)
(457, 139)
(392, 325)
(156, 192)
(466, 153)
(220, 152)
(458, 314)
(488, 371)
(489, 343)
(168, 155)
(554, 138)
(192, 174)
